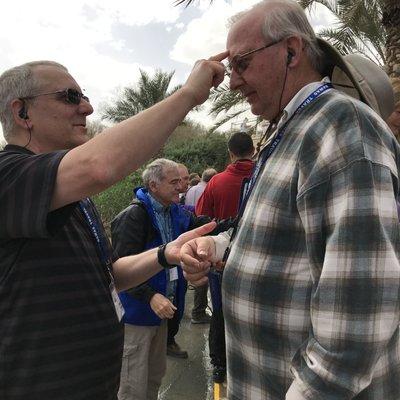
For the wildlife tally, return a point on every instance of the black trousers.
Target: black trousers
(216, 339)
(173, 328)
(200, 301)
(173, 324)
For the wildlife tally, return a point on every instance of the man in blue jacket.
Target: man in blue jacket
(152, 219)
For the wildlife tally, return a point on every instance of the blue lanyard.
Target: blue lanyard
(265, 154)
(97, 233)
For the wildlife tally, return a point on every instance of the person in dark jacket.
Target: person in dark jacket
(153, 218)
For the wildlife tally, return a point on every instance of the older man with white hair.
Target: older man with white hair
(312, 277)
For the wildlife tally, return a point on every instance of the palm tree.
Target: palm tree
(369, 27)
(227, 102)
(148, 91)
(358, 29)
(390, 20)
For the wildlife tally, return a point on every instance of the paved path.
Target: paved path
(189, 379)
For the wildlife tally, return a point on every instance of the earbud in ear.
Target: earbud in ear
(23, 113)
(289, 57)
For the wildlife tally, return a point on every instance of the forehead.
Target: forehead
(53, 77)
(183, 171)
(245, 34)
(171, 174)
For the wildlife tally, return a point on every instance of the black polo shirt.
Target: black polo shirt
(59, 334)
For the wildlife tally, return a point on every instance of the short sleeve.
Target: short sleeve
(27, 183)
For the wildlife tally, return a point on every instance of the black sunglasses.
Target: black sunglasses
(70, 96)
(241, 62)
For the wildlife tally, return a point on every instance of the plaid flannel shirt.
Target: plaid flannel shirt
(311, 287)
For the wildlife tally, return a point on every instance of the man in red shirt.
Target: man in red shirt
(220, 200)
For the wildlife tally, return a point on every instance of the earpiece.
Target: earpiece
(289, 57)
(23, 113)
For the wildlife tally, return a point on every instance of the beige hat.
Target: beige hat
(359, 77)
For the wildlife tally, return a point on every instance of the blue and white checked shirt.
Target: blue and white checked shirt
(164, 222)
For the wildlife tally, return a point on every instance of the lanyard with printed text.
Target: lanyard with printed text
(267, 151)
(97, 234)
(266, 154)
(103, 250)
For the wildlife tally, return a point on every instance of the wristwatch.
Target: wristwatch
(161, 257)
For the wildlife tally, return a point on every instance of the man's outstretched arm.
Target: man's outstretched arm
(110, 156)
(131, 271)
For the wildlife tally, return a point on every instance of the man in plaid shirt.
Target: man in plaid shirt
(311, 285)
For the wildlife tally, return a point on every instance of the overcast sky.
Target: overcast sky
(103, 43)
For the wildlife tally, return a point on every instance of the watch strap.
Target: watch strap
(161, 257)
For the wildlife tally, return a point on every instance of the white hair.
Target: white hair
(155, 171)
(283, 19)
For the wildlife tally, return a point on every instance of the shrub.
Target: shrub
(113, 200)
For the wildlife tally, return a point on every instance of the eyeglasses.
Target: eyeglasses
(240, 62)
(70, 96)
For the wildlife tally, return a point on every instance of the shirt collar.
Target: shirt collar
(299, 97)
(157, 206)
(19, 149)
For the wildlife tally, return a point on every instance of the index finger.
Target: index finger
(200, 231)
(220, 56)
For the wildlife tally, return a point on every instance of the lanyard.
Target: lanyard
(267, 151)
(266, 154)
(97, 233)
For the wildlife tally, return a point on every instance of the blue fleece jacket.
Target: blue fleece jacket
(139, 312)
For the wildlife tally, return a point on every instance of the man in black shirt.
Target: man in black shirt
(60, 330)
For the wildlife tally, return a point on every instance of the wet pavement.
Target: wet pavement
(189, 379)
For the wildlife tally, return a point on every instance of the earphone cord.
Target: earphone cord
(274, 120)
(30, 135)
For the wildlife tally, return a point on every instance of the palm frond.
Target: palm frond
(148, 91)
(331, 5)
(225, 119)
(348, 42)
(223, 99)
(359, 27)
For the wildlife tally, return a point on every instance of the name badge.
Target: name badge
(119, 308)
(173, 274)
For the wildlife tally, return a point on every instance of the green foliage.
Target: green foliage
(197, 150)
(113, 200)
(358, 29)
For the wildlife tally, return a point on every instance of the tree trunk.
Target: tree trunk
(391, 22)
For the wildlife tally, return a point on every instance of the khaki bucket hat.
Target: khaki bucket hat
(360, 78)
